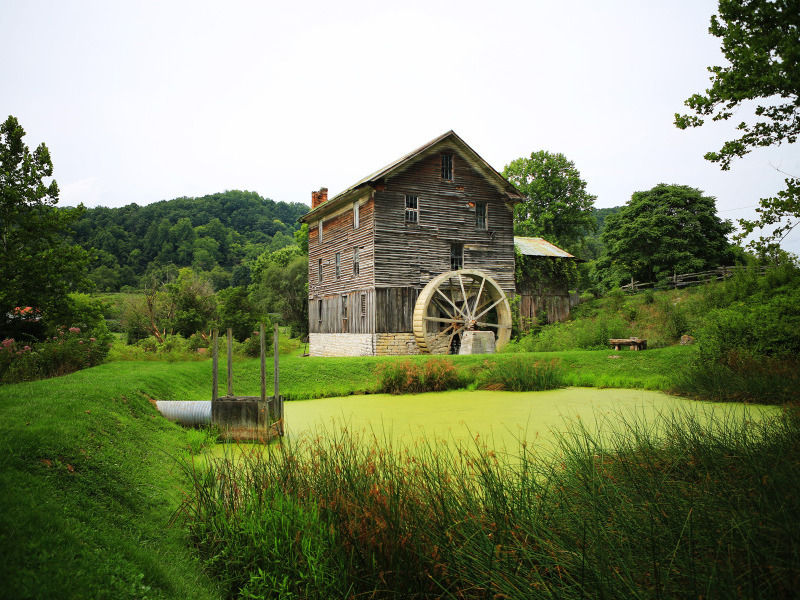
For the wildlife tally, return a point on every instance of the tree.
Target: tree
(668, 229)
(38, 267)
(761, 41)
(558, 207)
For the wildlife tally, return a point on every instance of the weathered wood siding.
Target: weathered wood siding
(549, 299)
(394, 309)
(411, 254)
(360, 313)
(339, 236)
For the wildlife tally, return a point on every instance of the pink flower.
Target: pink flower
(8, 342)
(92, 340)
(80, 341)
(74, 329)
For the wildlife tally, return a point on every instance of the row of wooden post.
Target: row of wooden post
(278, 401)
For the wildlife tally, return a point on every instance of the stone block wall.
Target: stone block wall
(395, 344)
(362, 344)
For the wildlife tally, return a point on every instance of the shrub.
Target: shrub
(416, 377)
(67, 351)
(518, 374)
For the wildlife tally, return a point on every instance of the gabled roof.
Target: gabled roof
(403, 162)
(529, 246)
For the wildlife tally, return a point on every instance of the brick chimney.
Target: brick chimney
(319, 197)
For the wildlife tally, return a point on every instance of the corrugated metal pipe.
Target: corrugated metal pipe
(189, 413)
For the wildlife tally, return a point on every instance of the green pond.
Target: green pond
(502, 419)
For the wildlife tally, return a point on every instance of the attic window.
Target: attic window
(319, 236)
(447, 167)
(412, 209)
(356, 216)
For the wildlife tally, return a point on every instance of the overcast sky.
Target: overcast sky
(151, 100)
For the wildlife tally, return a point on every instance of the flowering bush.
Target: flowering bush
(68, 350)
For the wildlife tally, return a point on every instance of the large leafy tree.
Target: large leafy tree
(558, 207)
(668, 229)
(38, 266)
(761, 41)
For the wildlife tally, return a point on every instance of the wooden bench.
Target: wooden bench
(632, 343)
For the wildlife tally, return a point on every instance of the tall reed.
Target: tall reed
(674, 509)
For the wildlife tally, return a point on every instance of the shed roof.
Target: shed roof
(530, 246)
(398, 165)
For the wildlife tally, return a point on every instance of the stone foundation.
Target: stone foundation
(341, 344)
(395, 344)
(362, 344)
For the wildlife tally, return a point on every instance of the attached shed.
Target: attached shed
(543, 287)
(375, 247)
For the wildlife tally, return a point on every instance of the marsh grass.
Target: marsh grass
(677, 508)
(521, 374)
(414, 377)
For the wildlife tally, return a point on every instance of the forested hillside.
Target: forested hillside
(220, 234)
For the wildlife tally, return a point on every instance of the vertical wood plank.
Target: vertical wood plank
(230, 362)
(214, 365)
(263, 364)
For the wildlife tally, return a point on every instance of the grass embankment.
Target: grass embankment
(89, 484)
(699, 511)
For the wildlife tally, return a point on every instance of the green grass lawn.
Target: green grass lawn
(88, 468)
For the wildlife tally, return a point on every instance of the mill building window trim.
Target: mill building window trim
(447, 167)
(412, 209)
(481, 216)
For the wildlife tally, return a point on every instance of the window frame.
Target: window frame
(356, 263)
(447, 167)
(344, 307)
(356, 215)
(319, 234)
(412, 211)
(338, 261)
(319, 268)
(456, 259)
(485, 216)
(319, 309)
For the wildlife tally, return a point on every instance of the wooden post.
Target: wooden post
(230, 362)
(263, 364)
(214, 365)
(278, 400)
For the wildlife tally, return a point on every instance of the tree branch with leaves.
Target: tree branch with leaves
(761, 41)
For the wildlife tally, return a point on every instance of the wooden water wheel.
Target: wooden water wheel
(459, 301)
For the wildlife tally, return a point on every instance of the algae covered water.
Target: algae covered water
(501, 418)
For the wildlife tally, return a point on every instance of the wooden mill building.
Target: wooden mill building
(375, 247)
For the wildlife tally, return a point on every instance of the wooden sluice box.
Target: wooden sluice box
(247, 417)
(238, 417)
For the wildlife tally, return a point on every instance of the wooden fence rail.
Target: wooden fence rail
(687, 279)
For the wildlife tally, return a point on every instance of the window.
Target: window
(447, 167)
(363, 305)
(412, 209)
(319, 309)
(338, 265)
(356, 216)
(356, 266)
(319, 235)
(456, 257)
(344, 307)
(480, 215)
(319, 270)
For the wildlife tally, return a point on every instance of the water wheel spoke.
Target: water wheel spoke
(443, 308)
(443, 295)
(478, 297)
(441, 334)
(483, 312)
(452, 321)
(498, 325)
(464, 297)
